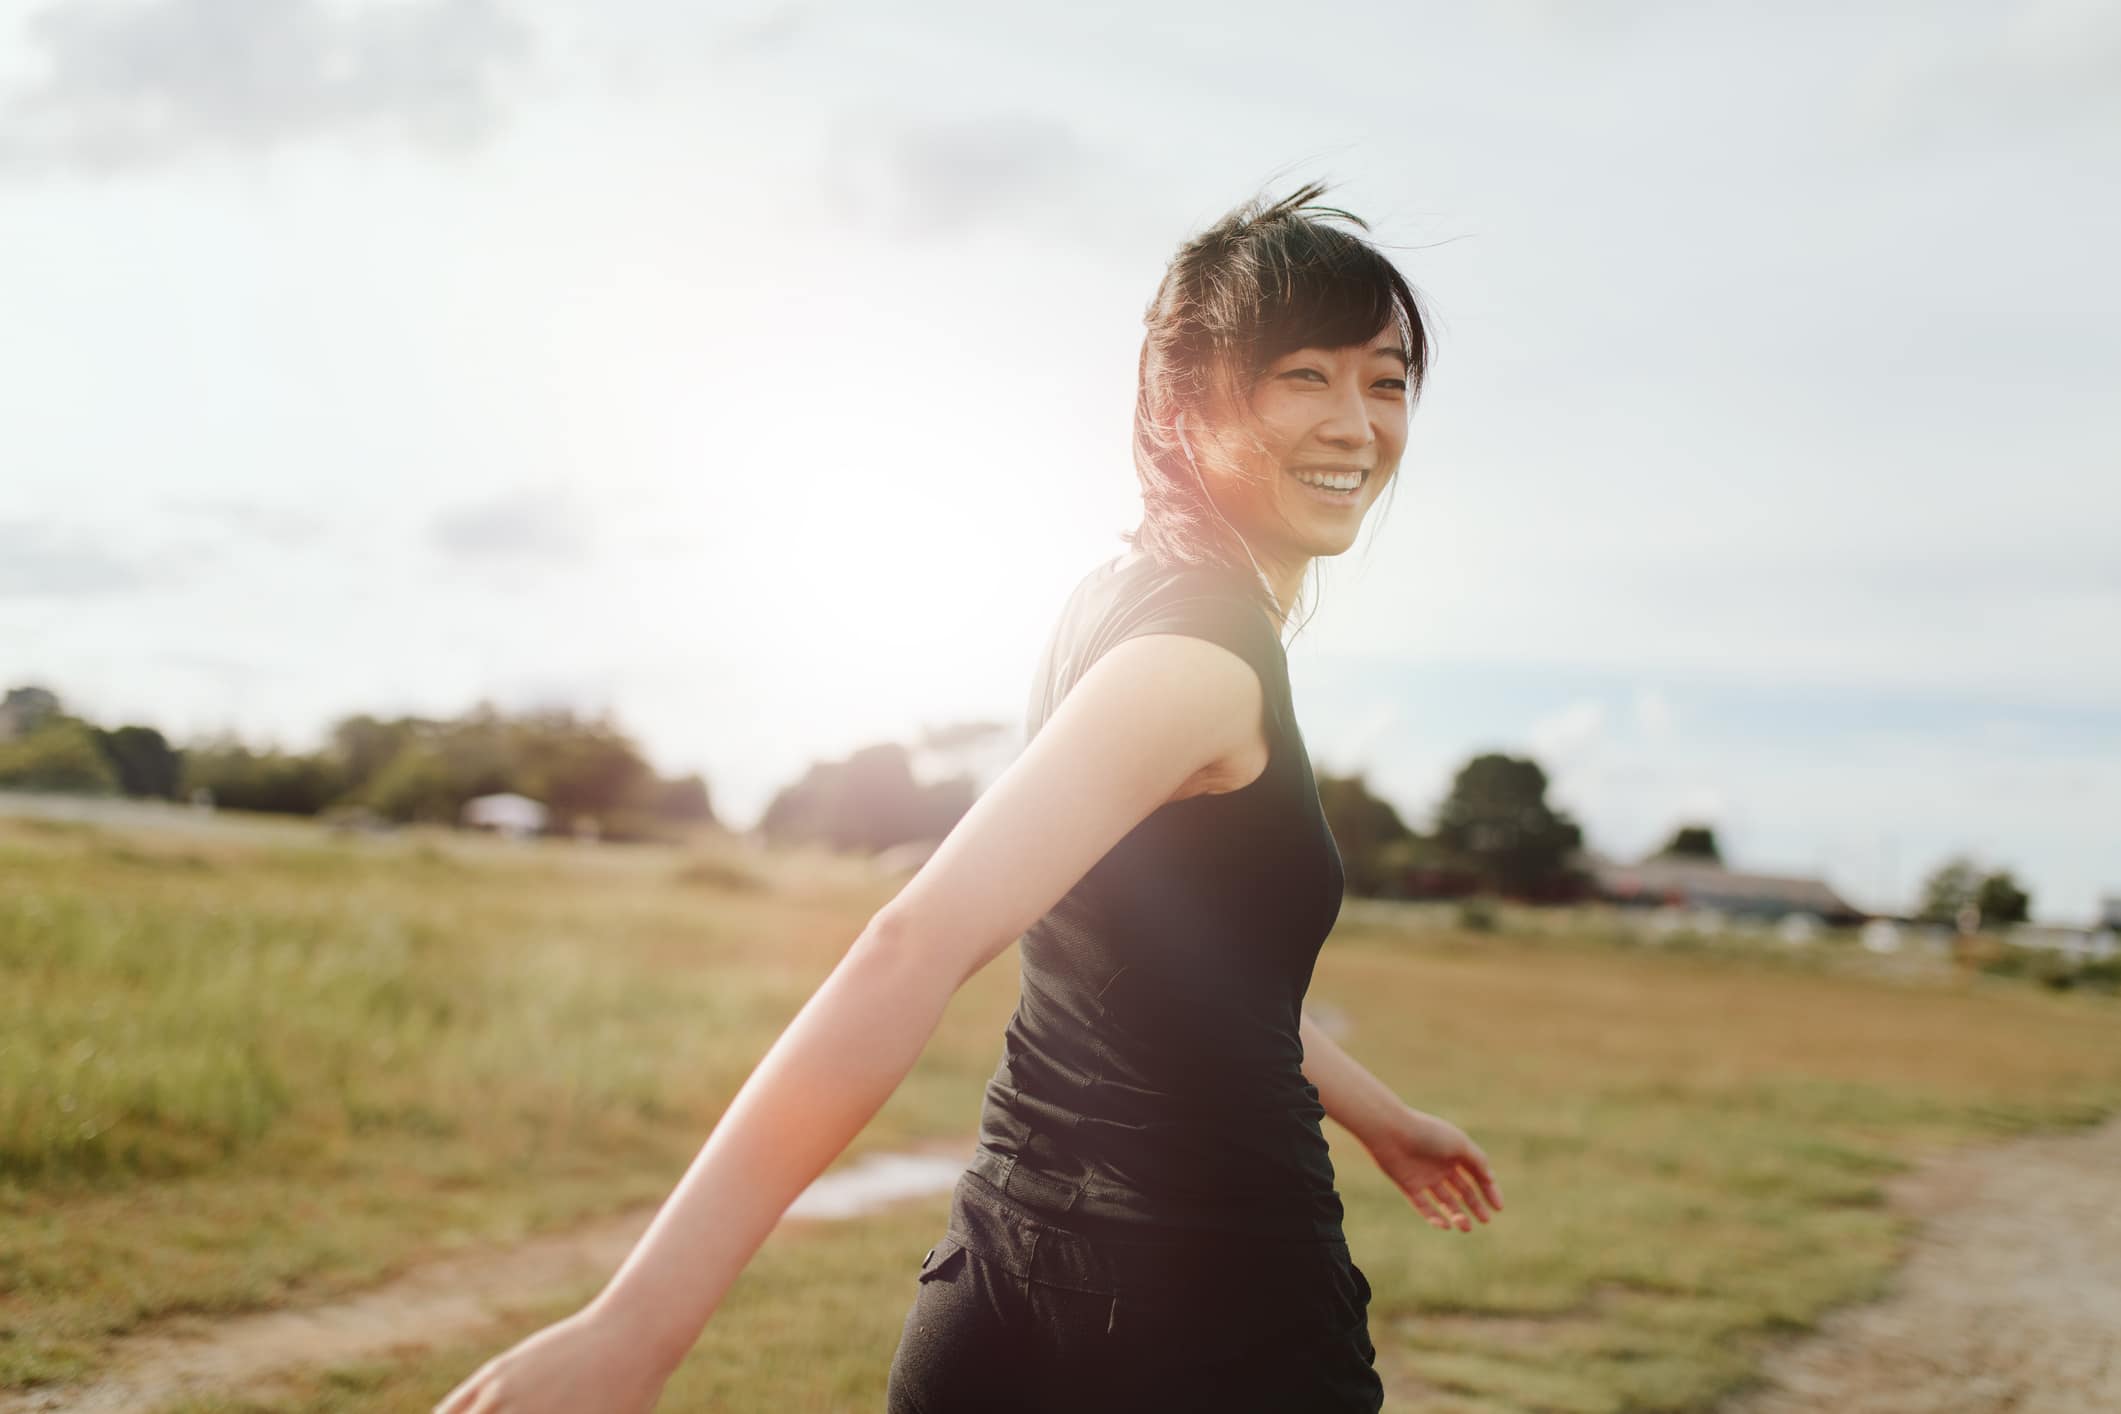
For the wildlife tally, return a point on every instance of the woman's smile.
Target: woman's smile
(1339, 487)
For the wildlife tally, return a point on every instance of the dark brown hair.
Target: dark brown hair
(1267, 278)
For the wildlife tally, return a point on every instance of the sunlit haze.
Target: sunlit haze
(764, 375)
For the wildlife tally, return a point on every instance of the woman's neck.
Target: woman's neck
(1285, 577)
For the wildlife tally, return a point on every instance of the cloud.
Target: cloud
(520, 525)
(1575, 731)
(251, 520)
(922, 176)
(2041, 66)
(136, 83)
(39, 562)
(1653, 713)
(771, 30)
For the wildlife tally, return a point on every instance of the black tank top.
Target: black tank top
(1151, 1079)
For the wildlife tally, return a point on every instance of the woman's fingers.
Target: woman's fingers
(1440, 1195)
(1463, 1191)
(1427, 1206)
(1485, 1173)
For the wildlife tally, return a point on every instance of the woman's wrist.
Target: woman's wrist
(659, 1344)
(1387, 1122)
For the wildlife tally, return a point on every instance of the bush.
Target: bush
(278, 782)
(2103, 975)
(2053, 970)
(61, 755)
(1478, 916)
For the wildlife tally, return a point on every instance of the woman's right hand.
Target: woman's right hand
(586, 1364)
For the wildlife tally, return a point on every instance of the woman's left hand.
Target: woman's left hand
(1443, 1173)
(584, 1363)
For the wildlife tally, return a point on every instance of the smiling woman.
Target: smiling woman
(1150, 1219)
(1282, 360)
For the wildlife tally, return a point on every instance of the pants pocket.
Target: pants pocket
(957, 1351)
(943, 1256)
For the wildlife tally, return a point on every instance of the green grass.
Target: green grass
(244, 1069)
(235, 1074)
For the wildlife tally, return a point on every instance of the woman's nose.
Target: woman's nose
(1347, 422)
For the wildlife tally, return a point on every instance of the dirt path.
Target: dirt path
(453, 1297)
(2011, 1300)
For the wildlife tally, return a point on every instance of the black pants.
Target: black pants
(1014, 1311)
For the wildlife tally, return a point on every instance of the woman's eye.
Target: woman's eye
(1305, 373)
(1397, 385)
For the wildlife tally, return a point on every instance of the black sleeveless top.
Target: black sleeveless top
(1151, 1078)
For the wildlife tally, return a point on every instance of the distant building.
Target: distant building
(2110, 911)
(1881, 935)
(1668, 881)
(515, 816)
(2083, 944)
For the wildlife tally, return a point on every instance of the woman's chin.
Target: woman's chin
(1323, 542)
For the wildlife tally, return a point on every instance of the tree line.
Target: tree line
(1494, 832)
(403, 769)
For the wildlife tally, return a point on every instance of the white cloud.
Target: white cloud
(45, 561)
(1568, 736)
(544, 524)
(138, 84)
(1653, 713)
(922, 176)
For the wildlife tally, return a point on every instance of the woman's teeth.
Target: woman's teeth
(1337, 483)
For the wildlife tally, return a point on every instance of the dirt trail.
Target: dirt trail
(440, 1301)
(2010, 1301)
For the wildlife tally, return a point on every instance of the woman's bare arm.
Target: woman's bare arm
(1149, 715)
(1104, 761)
(1445, 1175)
(830, 1071)
(1357, 1100)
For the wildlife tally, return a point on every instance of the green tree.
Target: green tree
(1950, 887)
(869, 802)
(417, 784)
(684, 798)
(274, 781)
(579, 767)
(60, 755)
(1693, 842)
(416, 768)
(364, 745)
(2001, 900)
(1363, 825)
(1496, 816)
(145, 763)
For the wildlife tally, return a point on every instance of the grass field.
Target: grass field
(257, 1065)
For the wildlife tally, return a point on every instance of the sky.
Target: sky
(762, 375)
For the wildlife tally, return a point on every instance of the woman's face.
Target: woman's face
(1329, 427)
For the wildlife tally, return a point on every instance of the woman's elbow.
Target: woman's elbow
(924, 949)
